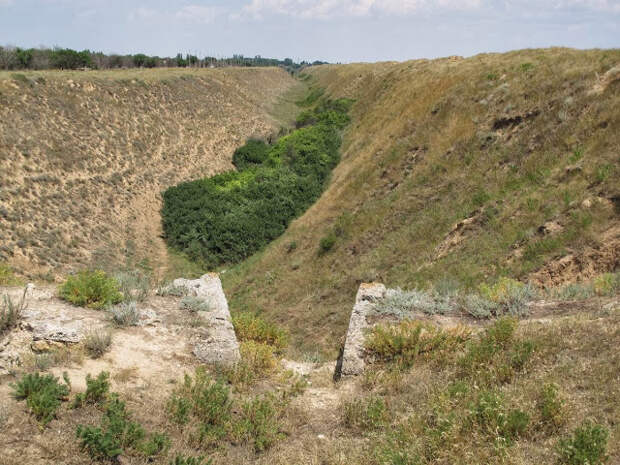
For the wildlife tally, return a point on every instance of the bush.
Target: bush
(370, 413)
(125, 314)
(97, 342)
(43, 395)
(607, 284)
(488, 412)
(402, 303)
(254, 152)
(11, 313)
(259, 424)
(327, 243)
(195, 304)
(251, 327)
(230, 216)
(118, 432)
(551, 406)
(97, 390)
(7, 276)
(408, 340)
(511, 296)
(93, 289)
(586, 446)
(206, 400)
(259, 358)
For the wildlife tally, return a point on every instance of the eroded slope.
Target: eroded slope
(461, 170)
(85, 156)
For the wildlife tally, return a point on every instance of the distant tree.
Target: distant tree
(8, 58)
(180, 61)
(70, 59)
(140, 60)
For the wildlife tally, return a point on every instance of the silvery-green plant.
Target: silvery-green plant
(125, 314)
(194, 304)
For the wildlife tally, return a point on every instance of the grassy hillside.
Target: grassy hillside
(453, 170)
(85, 155)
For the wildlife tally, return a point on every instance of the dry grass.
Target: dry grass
(86, 155)
(429, 413)
(432, 143)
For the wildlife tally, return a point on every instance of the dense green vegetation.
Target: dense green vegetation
(228, 217)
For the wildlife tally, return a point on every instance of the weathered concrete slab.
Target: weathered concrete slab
(220, 344)
(353, 354)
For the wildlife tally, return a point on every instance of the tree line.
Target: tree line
(16, 58)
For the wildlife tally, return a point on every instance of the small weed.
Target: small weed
(43, 394)
(93, 289)
(97, 342)
(525, 67)
(11, 312)
(171, 290)
(586, 446)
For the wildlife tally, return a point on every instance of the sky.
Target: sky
(329, 30)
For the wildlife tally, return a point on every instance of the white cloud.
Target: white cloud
(6, 2)
(324, 9)
(198, 13)
(142, 13)
(331, 8)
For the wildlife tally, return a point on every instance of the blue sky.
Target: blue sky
(332, 30)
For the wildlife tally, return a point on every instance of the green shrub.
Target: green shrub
(100, 445)
(118, 432)
(327, 243)
(489, 413)
(207, 401)
(251, 327)
(11, 312)
(171, 290)
(157, 443)
(551, 406)
(369, 414)
(43, 395)
(97, 390)
(254, 152)
(607, 284)
(97, 342)
(259, 357)
(259, 424)
(93, 289)
(230, 216)
(408, 340)
(586, 446)
(195, 304)
(7, 276)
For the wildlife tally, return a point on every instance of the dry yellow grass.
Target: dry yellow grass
(511, 141)
(85, 155)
